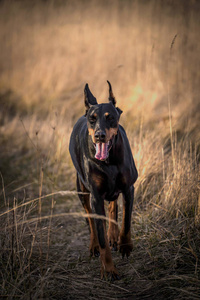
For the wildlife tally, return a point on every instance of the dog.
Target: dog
(105, 167)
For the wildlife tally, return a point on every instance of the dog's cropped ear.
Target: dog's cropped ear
(111, 96)
(89, 98)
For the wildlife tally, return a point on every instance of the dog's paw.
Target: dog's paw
(125, 246)
(110, 275)
(113, 236)
(94, 252)
(94, 249)
(113, 246)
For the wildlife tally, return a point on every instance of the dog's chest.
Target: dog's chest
(114, 186)
(108, 181)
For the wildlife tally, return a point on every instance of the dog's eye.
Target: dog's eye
(93, 119)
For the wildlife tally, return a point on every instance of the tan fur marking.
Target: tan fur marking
(106, 114)
(97, 179)
(113, 230)
(91, 132)
(110, 133)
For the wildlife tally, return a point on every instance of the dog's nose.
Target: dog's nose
(100, 135)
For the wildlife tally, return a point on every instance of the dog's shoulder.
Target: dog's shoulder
(80, 125)
(79, 130)
(128, 159)
(77, 145)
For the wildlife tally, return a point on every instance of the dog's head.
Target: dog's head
(102, 121)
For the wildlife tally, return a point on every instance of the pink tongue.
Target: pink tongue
(101, 151)
(104, 151)
(98, 151)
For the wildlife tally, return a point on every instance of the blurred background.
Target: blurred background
(147, 49)
(150, 52)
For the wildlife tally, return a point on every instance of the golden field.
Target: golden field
(149, 51)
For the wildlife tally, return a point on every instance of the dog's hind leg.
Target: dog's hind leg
(113, 230)
(84, 196)
(125, 242)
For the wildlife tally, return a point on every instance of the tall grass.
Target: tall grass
(150, 53)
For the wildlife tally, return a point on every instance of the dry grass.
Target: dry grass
(149, 50)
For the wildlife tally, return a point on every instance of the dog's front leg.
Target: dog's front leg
(113, 230)
(125, 242)
(107, 266)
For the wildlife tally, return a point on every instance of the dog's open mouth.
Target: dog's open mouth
(102, 150)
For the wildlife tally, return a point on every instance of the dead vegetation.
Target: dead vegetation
(150, 53)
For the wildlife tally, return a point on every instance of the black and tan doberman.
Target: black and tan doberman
(102, 156)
